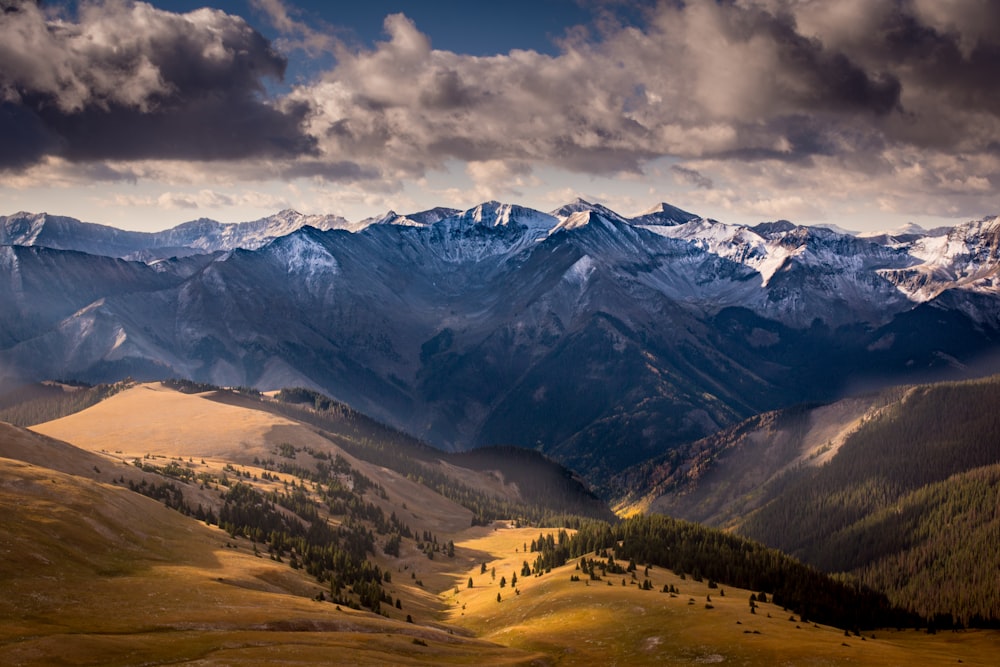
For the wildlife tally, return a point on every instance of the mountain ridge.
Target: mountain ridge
(896, 488)
(474, 328)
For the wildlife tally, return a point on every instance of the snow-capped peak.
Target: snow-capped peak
(389, 218)
(495, 214)
(302, 255)
(419, 219)
(580, 205)
(584, 218)
(209, 235)
(432, 215)
(22, 228)
(663, 214)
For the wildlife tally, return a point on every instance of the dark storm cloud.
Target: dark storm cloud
(945, 55)
(808, 73)
(127, 81)
(24, 137)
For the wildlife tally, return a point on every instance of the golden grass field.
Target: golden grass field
(97, 575)
(94, 574)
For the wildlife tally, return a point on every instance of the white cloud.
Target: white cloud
(198, 200)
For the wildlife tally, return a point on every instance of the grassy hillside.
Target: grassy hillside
(893, 488)
(299, 526)
(532, 486)
(578, 621)
(910, 487)
(98, 575)
(185, 593)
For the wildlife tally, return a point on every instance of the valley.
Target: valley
(100, 574)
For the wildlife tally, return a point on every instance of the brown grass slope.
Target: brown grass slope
(594, 623)
(157, 420)
(154, 420)
(94, 574)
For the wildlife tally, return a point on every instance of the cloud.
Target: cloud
(879, 97)
(296, 34)
(497, 178)
(691, 177)
(128, 81)
(834, 89)
(903, 180)
(200, 199)
(702, 79)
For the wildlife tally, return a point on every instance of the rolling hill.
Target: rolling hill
(85, 532)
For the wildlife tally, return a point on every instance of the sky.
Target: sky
(865, 114)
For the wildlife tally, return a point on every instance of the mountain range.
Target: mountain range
(596, 338)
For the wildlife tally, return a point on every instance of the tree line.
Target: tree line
(887, 508)
(690, 549)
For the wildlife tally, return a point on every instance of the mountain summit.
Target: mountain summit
(664, 214)
(197, 236)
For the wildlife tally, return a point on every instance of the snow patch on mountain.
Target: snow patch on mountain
(581, 270)
(734, 242)
(432, 215)
(967, 258)
(489, 230)
(495, 214)
(419, 219)
(10, 266)
(390, 218)
(22, 228)
(209, 235)
(119, 339)
(305, 257)
(585, 218)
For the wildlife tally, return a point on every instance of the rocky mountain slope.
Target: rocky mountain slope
(598, 339)
(194, 237)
